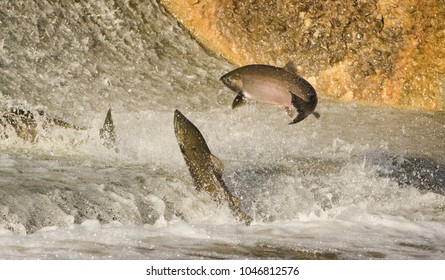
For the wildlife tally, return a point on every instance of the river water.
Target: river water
(359, 183)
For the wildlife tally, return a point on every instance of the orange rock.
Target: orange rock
(387, 52)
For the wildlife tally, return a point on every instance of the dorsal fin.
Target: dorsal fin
(107, 133)
(290, 67)
(217, 164)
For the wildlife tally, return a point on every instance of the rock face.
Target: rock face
(378, 51)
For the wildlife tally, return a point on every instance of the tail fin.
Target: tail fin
(301, 116)
(299, 104)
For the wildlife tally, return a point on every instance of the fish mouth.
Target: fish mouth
(178, 115)
(224, 79)
(178, 121)
(179, 118)
(232, 82)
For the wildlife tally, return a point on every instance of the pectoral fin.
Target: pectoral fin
(238, 101)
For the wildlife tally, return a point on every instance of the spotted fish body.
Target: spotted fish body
(273, 85)
(205, 169)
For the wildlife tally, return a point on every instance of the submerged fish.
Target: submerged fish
(205, 168)
(24, 123)
(273, 85)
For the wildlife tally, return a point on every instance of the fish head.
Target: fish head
(233, 81)
(180, 123)
(187, 134)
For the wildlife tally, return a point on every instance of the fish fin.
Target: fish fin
(301, 116)
(217, 164)
(290, 67)
(316, 114)
(298, 102)
(238, 101)
(107, 133)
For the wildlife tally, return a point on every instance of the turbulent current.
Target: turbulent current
(359, 183)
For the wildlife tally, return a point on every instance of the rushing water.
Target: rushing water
(361, 182)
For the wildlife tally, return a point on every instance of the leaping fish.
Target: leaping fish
(205, 169)
(273, 85)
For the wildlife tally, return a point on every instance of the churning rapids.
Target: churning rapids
(359, 183)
